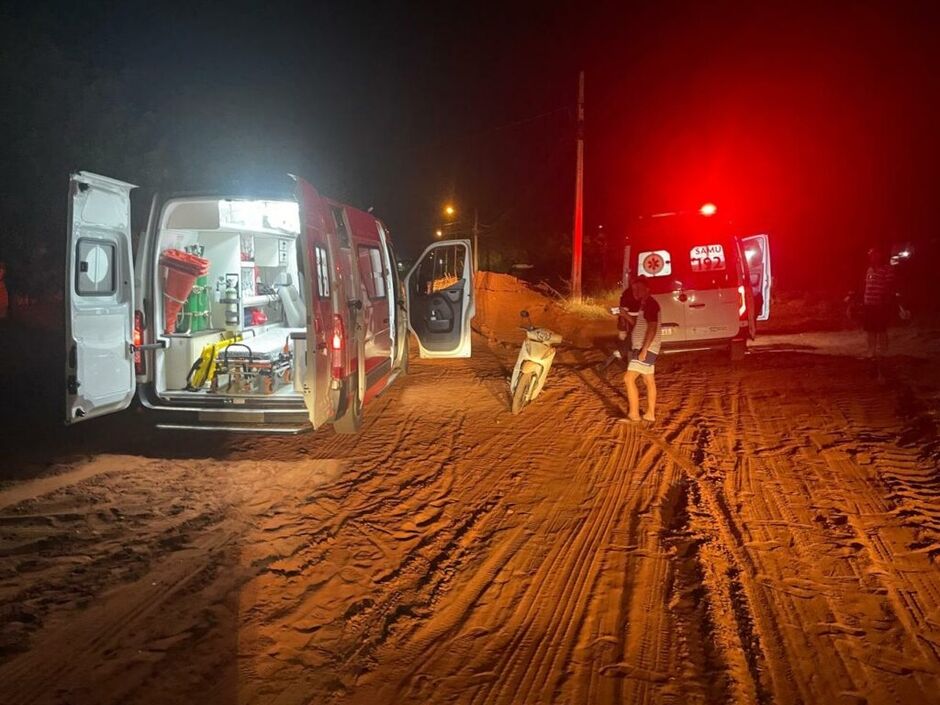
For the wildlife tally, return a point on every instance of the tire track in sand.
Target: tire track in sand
(779, 494)
(408, 583)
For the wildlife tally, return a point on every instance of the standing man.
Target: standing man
(641, 313)
(879, 300)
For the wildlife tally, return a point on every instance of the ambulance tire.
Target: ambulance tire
(351, 419)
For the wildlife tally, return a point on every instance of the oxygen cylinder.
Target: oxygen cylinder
(198, 305)
(230, 299)
(196, 311)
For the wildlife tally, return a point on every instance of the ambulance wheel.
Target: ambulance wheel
(351, 419)
(737, 349)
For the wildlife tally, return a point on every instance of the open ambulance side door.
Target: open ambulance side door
(757, 255)
(316, 260)
(99, 298)
(440, 299)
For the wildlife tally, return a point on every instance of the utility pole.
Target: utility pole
(476, 241)
(577, 235)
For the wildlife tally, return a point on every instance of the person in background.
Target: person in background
(641, 314)
(879, 301)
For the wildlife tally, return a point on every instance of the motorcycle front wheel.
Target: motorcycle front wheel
(520, 396)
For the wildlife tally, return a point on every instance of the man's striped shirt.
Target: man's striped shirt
(879, 285)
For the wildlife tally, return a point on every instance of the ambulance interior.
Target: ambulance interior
(229, 301)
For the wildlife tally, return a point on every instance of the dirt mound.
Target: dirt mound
(500, 298)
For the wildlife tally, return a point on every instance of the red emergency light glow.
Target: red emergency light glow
(708, 209)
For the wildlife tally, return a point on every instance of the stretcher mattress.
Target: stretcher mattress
(266, 346)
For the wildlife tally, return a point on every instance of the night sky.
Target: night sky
(816, 122)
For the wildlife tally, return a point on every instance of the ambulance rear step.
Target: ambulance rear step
(237, 428)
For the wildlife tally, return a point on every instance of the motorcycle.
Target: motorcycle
(534, 362)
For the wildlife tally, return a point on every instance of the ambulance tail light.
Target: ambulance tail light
(742, 305)
(140, 364)
(338, 347)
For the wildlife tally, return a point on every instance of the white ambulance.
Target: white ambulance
(294, 314)
(712, 285)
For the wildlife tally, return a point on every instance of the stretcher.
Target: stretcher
(255, 365)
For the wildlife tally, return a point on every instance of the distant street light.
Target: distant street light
(438, 233)
(449, 210)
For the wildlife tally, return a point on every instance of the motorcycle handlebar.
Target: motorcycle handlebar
(543, 335)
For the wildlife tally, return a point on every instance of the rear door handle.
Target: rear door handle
(159, 345)
(696, 305)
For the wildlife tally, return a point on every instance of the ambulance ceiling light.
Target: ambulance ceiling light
(260, 215)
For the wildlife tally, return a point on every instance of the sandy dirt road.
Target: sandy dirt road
(774, 538)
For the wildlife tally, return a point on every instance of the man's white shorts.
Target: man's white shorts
(643, 368)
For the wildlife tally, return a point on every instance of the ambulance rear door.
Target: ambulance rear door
(757, 255)
(317, 259)
(99, 298)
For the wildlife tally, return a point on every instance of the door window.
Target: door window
(395, 277)
(323, 272)
(441, 268)
(94, 270)
(372, 272)
(755, 261)
(378, 272)
(339, 219)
